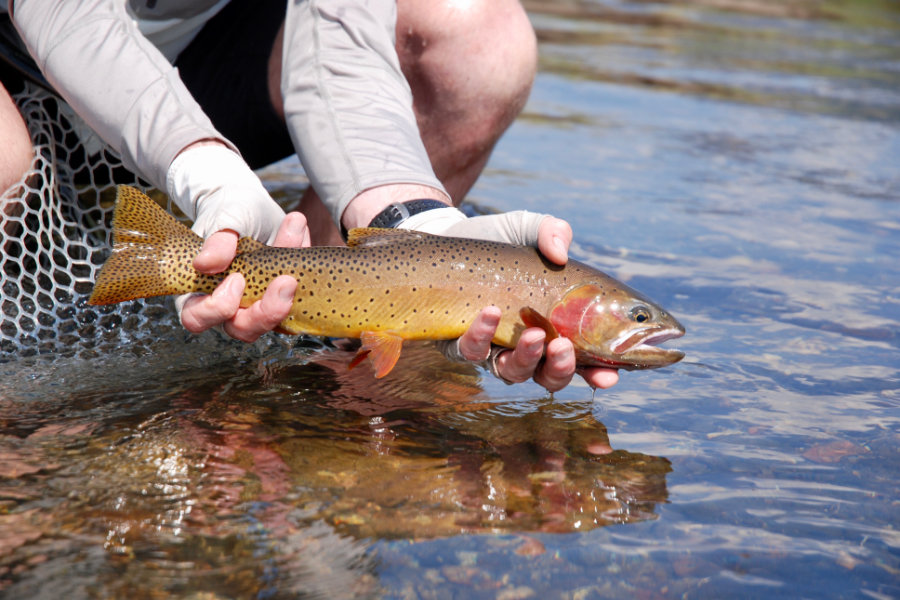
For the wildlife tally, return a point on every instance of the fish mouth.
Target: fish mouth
(641, 348)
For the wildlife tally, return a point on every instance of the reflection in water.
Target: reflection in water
(273, 480)
(463, 464)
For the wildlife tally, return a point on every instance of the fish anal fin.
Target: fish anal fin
(533, 318)
(376, 236)
(382, 347)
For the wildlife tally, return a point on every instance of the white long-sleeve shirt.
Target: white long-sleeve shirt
(347, 104)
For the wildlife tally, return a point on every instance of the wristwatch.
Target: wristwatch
(396, 213)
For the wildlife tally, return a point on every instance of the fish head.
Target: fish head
(612, 325)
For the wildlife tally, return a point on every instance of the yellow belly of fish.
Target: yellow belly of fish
(328, 306)
(413, 314)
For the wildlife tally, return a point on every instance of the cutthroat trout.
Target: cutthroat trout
(391, 285)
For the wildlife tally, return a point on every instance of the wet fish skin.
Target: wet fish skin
(387, 286)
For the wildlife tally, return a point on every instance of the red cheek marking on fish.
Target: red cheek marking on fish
(567, 315)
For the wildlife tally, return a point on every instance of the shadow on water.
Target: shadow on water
(271, 475)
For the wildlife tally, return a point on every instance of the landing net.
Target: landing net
(54, 235)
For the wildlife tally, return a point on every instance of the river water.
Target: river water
(736, 160)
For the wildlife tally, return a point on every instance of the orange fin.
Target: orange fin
(533, 318)
(360, 356)
(375, 236)
(382, 347)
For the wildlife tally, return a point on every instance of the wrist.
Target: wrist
(205, 168)
(435, 221)
(201, 143)
(366, 205)
(198, 171)
(216, 189)
(398, 214)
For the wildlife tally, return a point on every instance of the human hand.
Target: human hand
(213, 185)
(216, 189)
(552, 365)
(200, 312)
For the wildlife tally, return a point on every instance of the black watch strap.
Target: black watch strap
(395, 214)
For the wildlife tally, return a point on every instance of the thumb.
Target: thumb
(217, 252)
(554, 238)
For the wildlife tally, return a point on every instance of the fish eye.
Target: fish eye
(640, 314)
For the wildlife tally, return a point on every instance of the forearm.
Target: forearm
(349, 108)
(94, 56)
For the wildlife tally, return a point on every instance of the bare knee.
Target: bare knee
(468, 54)
(17, 152)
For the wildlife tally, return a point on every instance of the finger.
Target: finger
(520, 364)
(293, 232)
(217, 252)
(475, 343)
(559, 365)
(203, 312)
(599, 377)
(554, 237)
(265, 314)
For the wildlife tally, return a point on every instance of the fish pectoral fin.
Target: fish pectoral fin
(533, 318)
(382, 347)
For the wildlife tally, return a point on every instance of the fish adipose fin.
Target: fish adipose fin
(382, 347)
(144, 235)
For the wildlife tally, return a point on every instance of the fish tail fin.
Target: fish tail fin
(152, 252)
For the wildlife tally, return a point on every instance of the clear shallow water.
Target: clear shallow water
(739, 164)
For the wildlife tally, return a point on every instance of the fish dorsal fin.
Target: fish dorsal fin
(247, 244)
(533, 318)
(376, 236)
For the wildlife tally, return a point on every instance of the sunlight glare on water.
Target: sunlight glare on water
(735, 161)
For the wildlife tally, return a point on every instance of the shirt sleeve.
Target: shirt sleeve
(94, 56)
(348, 106)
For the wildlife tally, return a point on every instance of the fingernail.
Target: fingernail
(560, 245)
(563, 357)
(226, 288)
(286, 294)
